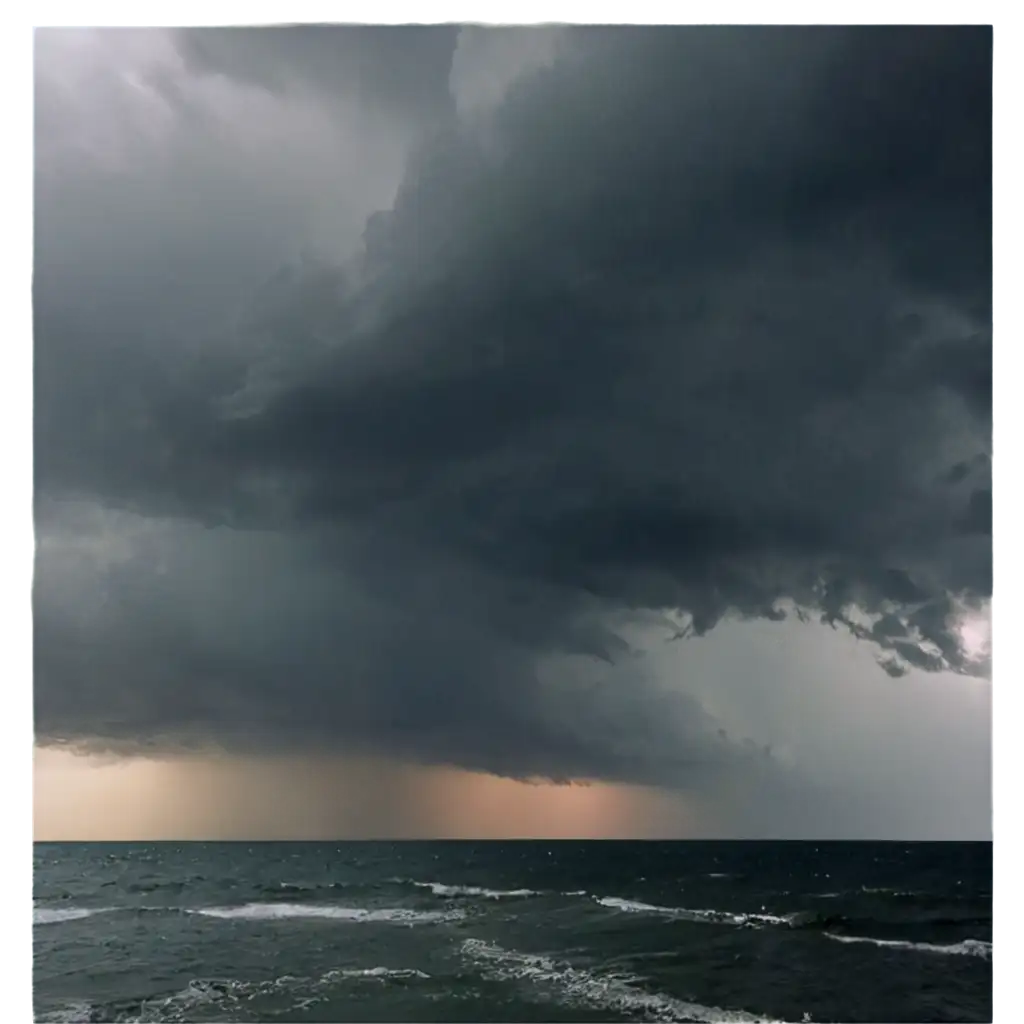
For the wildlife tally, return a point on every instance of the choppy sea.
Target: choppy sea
(513, 931)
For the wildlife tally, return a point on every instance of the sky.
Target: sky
(513, 431)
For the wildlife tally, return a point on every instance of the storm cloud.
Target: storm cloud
(601, 337)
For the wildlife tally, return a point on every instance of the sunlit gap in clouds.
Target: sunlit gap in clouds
(975, 632)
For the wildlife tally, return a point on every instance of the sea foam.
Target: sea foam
(440, 889)
(968, 947)
(275, 911)
(618, 993)
(688, 914)
(56, 915)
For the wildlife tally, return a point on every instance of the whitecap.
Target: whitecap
(202, 992)
(968, 947)
(440, 889)
(689, 914)
(275, 911)
(375, 972)
(71, 1013)
(619, 993)
(56, 915)
(224, 994)
(631, 906)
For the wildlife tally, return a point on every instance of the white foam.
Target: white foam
(229, 992)
(274, 911)
(630, 906)
(688, 914)
(55, 915)
(890, 891)
(71, 1013)
(969, 947)
(439, 889)
(201, 992)
(374, 972)
(616, 992)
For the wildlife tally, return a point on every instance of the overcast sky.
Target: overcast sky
(419, 408)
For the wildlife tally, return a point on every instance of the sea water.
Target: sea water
(513, 931)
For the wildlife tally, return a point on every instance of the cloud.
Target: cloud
(680, 323)
(398, 72)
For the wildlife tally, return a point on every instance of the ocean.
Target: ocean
(513, 931)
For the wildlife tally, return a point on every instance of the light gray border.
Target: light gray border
(501, 8)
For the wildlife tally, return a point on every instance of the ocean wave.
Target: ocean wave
(71, 1013)
(398, 973)
(175, 885)
(57, 915)
(688, 914)
(816, 920)
(440, 889)
(300, 889)
(968, 947)
(200, 993)
(274, 911)
(618, 993)
(226, 994)
(889, 891)
(802, 920)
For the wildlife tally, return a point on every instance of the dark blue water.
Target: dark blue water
(513, 931)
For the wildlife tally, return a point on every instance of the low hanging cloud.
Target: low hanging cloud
(672, 326)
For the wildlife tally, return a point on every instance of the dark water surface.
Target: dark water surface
(513, 931)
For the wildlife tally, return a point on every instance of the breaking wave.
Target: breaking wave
(71, 1013)
(810, 921)
(397, 973)
(688, 914)
(440, 889)
(276, 911)
(56, 915)
(226, 995)
(969, 947)
(619, 993)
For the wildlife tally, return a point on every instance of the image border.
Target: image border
(1008, 562)
(15, 542)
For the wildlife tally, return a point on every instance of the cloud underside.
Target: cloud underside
(691, 325)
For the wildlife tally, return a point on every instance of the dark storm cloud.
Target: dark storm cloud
(400, 71)
(696, 321)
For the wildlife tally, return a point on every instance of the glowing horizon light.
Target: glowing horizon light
(974, 631)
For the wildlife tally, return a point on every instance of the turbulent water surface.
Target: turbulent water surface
(513, 931)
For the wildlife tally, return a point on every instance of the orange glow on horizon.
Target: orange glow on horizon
(79, 798)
